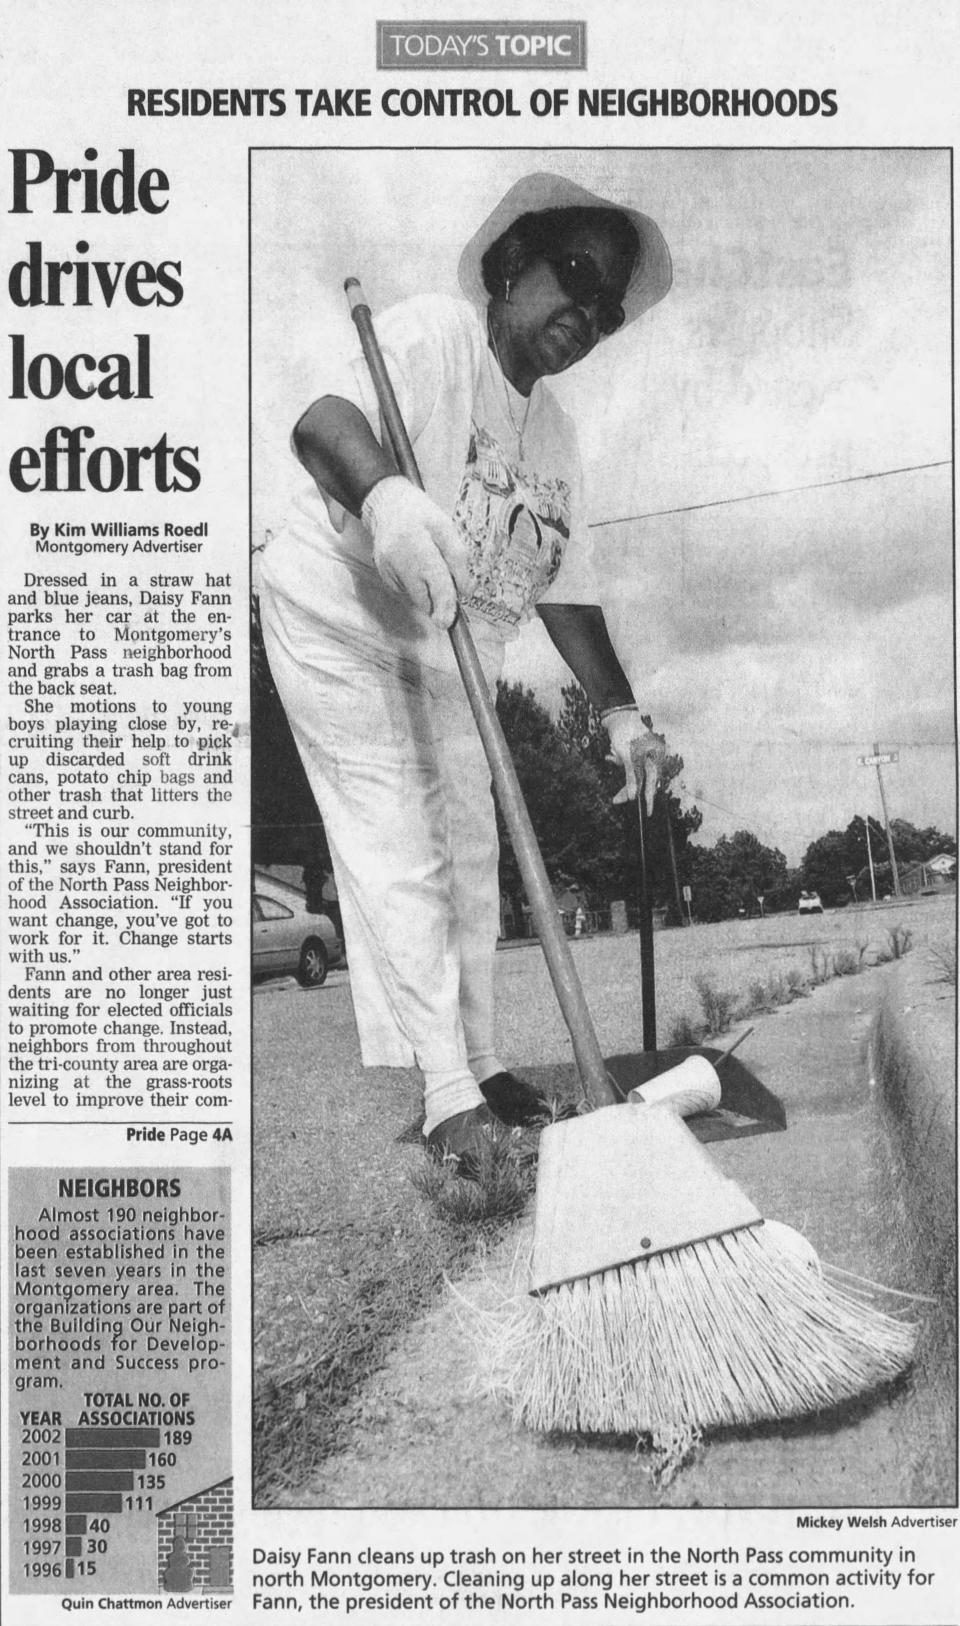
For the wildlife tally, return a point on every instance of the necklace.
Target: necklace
(519, 429)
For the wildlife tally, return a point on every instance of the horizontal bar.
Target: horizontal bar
(87, 1502)
(101, 1480)
(110, 1438)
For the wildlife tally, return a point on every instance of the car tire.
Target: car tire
(314, 964)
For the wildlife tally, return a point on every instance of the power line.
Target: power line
(756, 496)
(748, 821)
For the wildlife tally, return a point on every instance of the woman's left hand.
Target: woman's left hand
(635, 745)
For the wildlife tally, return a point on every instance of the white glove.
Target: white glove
(416, 547)
(630, 737)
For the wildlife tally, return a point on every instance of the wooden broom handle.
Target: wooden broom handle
(597, 1085)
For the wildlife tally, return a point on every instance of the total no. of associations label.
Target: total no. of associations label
(119, 1381)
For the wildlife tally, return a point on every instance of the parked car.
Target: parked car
(286, 938)
(809, 904)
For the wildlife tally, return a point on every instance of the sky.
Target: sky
(776, 612)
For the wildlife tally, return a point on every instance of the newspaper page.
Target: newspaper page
(665, 296)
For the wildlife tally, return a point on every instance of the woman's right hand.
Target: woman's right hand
(417, 548)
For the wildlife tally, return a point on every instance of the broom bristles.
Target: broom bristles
(738, 1330)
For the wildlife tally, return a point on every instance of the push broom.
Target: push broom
(659, 1303)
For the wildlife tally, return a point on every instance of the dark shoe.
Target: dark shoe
(517, 1103)
(464, 1141)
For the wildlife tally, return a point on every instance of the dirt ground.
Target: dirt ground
(338, 1225)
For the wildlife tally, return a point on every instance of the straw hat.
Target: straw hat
(651, 279)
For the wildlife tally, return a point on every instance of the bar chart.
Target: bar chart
(120, 1391)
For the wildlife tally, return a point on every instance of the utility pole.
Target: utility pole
(873, 884)
(875, 761)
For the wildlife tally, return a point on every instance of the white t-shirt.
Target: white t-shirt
(521, 516)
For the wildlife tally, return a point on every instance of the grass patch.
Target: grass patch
(501, 1193)
(721, 1007)
(387, 1274)
(392, 1272)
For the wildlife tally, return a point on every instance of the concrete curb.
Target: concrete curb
(913, 1053)
(913, 1048)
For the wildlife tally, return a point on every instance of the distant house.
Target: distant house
(934, 875)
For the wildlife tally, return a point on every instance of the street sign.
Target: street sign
(687, 894)
(880, 756)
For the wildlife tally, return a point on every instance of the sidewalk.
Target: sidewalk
(417, 1435)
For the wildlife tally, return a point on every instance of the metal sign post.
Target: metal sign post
(875, 761)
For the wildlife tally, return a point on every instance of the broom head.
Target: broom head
(622, 1184)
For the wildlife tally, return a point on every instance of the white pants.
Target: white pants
(395, 763)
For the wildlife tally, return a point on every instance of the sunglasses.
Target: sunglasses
(581, 281)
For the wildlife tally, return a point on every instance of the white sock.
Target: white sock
(446, 1093)
(484, 1065)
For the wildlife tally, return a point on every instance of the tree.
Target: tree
(825, 867)
(752, 869)
(714, 896)
(577, 830)
(732, 875)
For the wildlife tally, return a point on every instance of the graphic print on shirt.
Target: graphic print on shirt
(516, 525)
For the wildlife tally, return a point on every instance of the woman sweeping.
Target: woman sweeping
(359, 589)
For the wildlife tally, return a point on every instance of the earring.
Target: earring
(506, 293)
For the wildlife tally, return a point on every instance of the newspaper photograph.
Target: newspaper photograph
(479, 842)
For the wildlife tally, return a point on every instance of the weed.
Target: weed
(761, 996)
(719, 1004)
(944, 956)
(501, 1191)
(684, 1033)
(900, 939)
(797, 983)
(821, 965)
(848, 959)
(784, 989)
